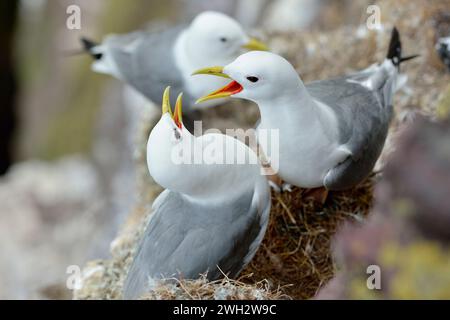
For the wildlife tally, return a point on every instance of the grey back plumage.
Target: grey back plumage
(145, 61)
(364, 116)
(185, 239)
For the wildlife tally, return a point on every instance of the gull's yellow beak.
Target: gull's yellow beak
(166, 108)
(212, 71)
(255, 45)
(178, 114)
(230, 89)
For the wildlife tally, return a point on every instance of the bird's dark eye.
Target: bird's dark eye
(252, 79)
(223, 39)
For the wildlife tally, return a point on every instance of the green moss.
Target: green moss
(443, 109)
(71, 131)
(358, 290)
(122, 17)
(422, 271)
(416, 271)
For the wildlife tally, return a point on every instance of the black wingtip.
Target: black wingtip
(395, 49)
(403, 59)
(88, 45)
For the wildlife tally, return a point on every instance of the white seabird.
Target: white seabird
(331, 132)
(149, 61)
(210, 219)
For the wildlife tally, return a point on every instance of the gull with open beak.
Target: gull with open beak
(331, 132)
(212, 216)
(149, 61)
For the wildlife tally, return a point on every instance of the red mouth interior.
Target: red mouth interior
(177, 121)
(232, 88)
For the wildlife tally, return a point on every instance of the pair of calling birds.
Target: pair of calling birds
(212, 218)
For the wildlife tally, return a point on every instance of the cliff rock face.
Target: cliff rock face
(50, 217)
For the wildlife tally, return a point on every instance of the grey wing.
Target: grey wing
(364, 117)
(185, 240)
(123, 40)
(149, 253)
(145, 61)
(250, 233)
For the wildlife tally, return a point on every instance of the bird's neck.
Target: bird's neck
(300, 111)
(185, 60)
(205, 180)
(296, 105)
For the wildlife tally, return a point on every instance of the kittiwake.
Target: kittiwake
(211, 218)
(331, 132)
(148, 61)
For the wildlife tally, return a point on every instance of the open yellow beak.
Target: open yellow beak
(230, 89)
(166, 102)
(255, 45)
(177, 115)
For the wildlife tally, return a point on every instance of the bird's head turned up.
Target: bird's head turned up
(257, 76)
(173, 154)
(170, 128)
(214, 37)
(167, 135)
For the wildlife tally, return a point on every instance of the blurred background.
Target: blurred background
(66, 143)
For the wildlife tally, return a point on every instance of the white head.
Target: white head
(257, 76)
(166, 165)
(166, 135)
(214, 37)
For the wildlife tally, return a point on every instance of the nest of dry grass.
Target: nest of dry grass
(296, 252)
(224, 289)
(293, 262)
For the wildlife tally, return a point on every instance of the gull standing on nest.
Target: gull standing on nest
(331, 132)
(211, 218)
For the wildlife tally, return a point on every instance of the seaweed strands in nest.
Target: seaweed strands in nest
(296, 253)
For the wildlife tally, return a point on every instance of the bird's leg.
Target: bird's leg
(275, 182)
(286, 187)
(319, 195)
